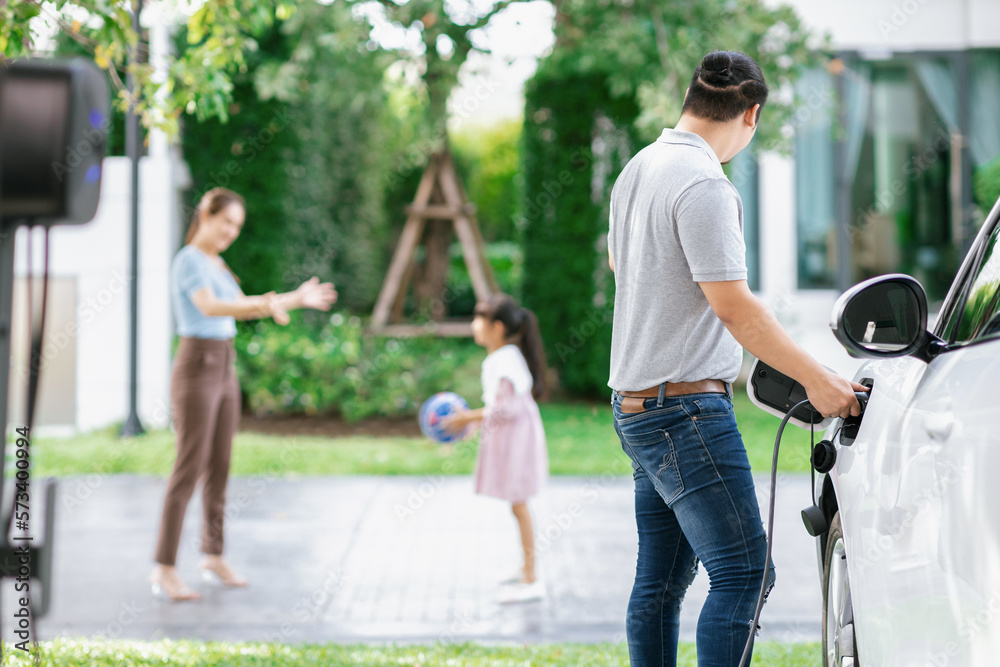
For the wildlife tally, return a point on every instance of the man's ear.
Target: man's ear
(750, 115)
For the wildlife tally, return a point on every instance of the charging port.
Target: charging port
(849, 430)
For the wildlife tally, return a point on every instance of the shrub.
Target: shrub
(328, 364)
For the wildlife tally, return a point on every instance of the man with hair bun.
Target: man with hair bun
(682, 312)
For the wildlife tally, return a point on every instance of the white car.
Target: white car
(908, 515)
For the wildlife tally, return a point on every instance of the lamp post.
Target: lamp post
(132, 425)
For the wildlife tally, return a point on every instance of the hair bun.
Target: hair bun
(717, 68)
(717, 61)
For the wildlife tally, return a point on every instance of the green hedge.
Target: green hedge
(308, 143)
(322, 364)
(245, 154)
(567, 281)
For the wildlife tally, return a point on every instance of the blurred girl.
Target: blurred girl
(513, 461)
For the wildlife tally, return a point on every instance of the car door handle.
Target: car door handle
(939, 425)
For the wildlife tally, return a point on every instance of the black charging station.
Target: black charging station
(54, 117)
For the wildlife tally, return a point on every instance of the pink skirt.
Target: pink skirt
(513, 462)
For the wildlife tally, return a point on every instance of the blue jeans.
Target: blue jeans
(694, 501)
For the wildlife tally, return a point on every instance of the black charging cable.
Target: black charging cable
(770, 534)
(35, 337)
(35, 348)
(862, 401)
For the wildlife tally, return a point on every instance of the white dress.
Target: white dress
(513, 461)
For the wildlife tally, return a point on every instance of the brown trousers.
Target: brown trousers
(205, 399)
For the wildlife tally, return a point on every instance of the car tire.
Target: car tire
(840, 645)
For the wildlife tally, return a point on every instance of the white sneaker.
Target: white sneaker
(523, 593)
(512, 577)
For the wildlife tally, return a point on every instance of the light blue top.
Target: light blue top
(191, 271)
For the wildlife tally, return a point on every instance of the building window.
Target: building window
(815, 180)
(984, 130)
(879, 178)
(745, 175)
(900, 196)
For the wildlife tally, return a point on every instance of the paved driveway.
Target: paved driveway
(371, 559)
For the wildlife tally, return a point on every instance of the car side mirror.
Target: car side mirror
(885, 317)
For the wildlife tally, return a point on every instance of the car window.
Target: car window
(978, 315)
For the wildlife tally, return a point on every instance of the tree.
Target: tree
(448, 34)
(616, 76)
(647, 50)
(197, 81)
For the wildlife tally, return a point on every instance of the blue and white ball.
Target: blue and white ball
(433, 413)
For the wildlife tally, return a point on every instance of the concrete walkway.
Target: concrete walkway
(373, 559)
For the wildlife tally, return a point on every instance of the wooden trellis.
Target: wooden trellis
(439, 197)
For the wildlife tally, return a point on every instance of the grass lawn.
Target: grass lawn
(581, 441)
(80, 653)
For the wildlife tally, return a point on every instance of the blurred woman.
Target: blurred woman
(205, 392)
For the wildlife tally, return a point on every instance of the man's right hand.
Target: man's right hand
(758, 331)
(833, 396)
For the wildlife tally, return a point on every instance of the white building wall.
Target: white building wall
(777, 229)
(98, 256)
(902, 25)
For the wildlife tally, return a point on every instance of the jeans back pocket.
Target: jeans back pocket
(653, 454)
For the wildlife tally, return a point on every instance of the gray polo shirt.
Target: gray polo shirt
(676, 220)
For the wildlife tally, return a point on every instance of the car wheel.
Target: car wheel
(840, 647)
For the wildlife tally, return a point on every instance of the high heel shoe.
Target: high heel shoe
(166, 586)
(217, 571)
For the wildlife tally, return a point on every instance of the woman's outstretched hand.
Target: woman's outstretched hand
(278, 313)
(314, 294)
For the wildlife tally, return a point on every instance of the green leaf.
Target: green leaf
(25, 11)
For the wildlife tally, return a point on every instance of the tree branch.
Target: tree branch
(662, 44)
(484, 20)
